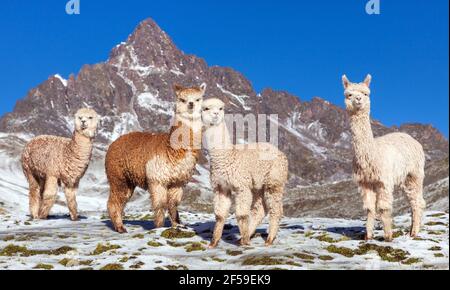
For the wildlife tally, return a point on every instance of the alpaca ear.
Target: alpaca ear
(203, 87)
(177, 88)
(368, 80)
(345, 81)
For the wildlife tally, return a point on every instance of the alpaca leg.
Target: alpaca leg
(49, 196)
(370, 224)
(159, 202)
(244, 199)
(222, 204)
(384, 206)
(414, 190)
(118, 198)
(34, 195)
(174, 196)
(70, 193)
(369, 201)
(258, 212)
(275, 206)
(386, 218)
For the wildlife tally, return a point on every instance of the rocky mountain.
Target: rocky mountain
(132, 90)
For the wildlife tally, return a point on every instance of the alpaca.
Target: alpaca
(381, 164)
(255, 173)
(160, 163)
(49, 161)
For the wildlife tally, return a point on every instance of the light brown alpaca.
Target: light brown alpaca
(381, 164)
(49, 161)
(160, 163)
(255, 174)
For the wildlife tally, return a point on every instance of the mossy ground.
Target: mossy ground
(103, 248)
(112, 267)
(43, 267)
(176, 233)
(14, 250)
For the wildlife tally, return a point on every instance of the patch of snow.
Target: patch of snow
(344, 140)
(177, 72)
(307, 142)
(125, 123)
(63, 80)
(240, 98)
(152, 102)
(317, 130)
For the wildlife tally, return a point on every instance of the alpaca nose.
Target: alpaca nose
(359, 98)
(191, 105)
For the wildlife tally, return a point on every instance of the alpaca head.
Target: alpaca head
(357, 95)
(189, 102)
(213, 112)
(216, 136)
(86, 121)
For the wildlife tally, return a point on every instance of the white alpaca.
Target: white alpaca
(255, 173)
(49, 161)
(381, 164)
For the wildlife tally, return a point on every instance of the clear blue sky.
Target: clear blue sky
(300, 46)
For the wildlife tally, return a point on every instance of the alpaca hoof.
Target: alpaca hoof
(388, 239)
(269, 243)
(121, 230)
(413, 235)
(368, 238)
(212, 246)
(244, 243)
(180, 226)
(75, 219)
(158, 225)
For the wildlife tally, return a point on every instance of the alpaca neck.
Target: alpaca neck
(363, 140)
(80, 147)
(218, 143)
(186, 134)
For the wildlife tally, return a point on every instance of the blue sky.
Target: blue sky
(299, 46)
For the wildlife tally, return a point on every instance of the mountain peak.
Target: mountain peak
(148, 30)
(147, 46)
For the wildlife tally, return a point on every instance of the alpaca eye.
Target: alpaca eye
(183, 101)
(206, 109)
(90, 118)
(198, 100)
(221, 109)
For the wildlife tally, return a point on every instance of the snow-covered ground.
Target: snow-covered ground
(303, 243)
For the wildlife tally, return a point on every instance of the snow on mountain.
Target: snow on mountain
(63, 80)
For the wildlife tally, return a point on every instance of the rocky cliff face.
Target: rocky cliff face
(132, 90)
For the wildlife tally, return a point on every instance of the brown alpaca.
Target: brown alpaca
(49, 161)
(159, 163)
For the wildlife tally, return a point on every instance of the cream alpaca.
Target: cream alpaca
(49, 161)
(255, 173)
(160, 163)
(381, 164)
